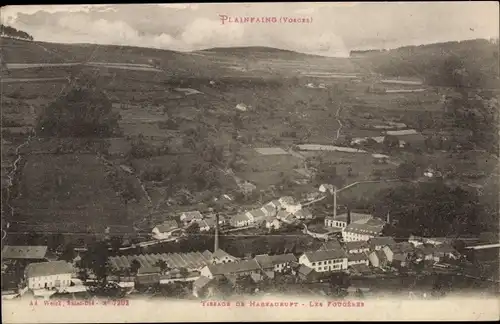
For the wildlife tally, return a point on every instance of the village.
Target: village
(353, 246)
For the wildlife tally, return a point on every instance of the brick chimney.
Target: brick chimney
(216, 240)
(348, 215)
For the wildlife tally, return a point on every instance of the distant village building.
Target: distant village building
(289, 204)
(269, 210)
(363, 231)
(272, 223)
(241, 220)
(325, 260)
(191, 260)
(188, 217)
(356, 247)
(303, 214)
(30, 253)
(341, 220)
(221, 256)
(257, 215)
(240, 268)
(47, 275)
(378, 259)
(276, 263)
(357, 258)
(377, 243)
(165, 229)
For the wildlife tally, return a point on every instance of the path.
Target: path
(337, 116)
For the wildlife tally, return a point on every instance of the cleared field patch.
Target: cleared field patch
(67, 193)
(271, 151)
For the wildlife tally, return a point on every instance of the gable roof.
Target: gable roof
(48, 268)
(270, 209)
(366, 229)
(24, 252)
(167, 226)
(189, 260)
(283, 214)
(355, 217)
(381, 241)
(257, 213)
(219, 254)
(357, 257)
(241, 217)
(305, 270)
(325, 255)
(380, 255)
(233, 267)
(356, 245)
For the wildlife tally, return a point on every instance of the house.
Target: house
(357, 247)
(415, 240)
(277, 263)
(269, 210)
(305, 273)
(357, 258)
(380, 158)
(377, 243)
(24, 252)
(399, 252)
(324, 188)
(425, 252)
(282, 214)
(239, 268)
(241, 220)
(165, 229)
(363, 231)
(445, 251)
(205, 224)
(257, 215)
(378, 259)
(342, 219)
(51, 274)
(360, 269)
(220, 256)
(303, 214)
(188, 217)
(289, 204)
(200, 286)
(436, 240)
(325, 260)
(288, 218)
(272, 223)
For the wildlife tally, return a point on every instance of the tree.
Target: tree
(82, 112)
(116, 243)
(184, 272)
(68, 253)
(134, 267)
(194, 228)
(391, 142)
(162, 264)
(407, 170)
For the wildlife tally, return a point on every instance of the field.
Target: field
(281, 111)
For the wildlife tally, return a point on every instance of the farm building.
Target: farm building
(24, 252)
(327, 260)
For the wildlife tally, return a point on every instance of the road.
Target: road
(19, 80)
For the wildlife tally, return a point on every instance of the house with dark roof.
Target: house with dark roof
(357, 247)
(305, 273)
(165, 229)
(24, 252)
(256, 215)
(377, 243)
(277, 263)
(357, 258)
(378, 259)
(325, 260)
(240, 268)
(341, 219)
(398, 253)
(360, 269)
(46, 275)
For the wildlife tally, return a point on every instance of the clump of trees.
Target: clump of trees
(13, 32)
(82, 112)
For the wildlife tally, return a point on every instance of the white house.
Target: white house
(363, 232)
(188, 217)
(289, 204)
(46, 275)
(256, 215)
(165, 229)
(326, 188)
(240, 220)
(357, 247)
(325, 260)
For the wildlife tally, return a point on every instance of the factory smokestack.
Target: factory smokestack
(216, 243)
(388, 218)
(348, 215)
(334, 202)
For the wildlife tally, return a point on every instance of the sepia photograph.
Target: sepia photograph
(236, 162)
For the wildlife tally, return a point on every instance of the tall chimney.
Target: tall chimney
(348, 215)
(334, 202)
(216, 243)
(388, 218)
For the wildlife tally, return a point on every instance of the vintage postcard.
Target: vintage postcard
(250, 162)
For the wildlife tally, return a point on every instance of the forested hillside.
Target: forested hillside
(12, 32)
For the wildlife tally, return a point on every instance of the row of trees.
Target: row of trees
(13, 32)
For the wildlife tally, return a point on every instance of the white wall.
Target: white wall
(325, 265)
(51, 281)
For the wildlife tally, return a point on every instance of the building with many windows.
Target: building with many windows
(47, 275)
(325, 260)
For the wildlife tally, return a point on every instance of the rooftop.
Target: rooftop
(304, 212)
(364, 229)
(174, 260)
(357, 257)
(201, 282)
(24, 252)
(349, 246)
(355, 217)
(271, 151)
(330, 245)
(167, 226)
(325, 255)
(48, 268)
(381, 241)
(192, 215)
(219, 254)
(233, 267)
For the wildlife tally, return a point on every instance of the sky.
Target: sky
(329, 29)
